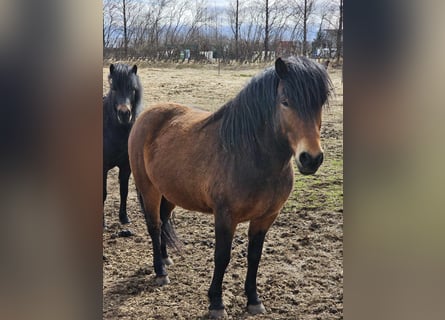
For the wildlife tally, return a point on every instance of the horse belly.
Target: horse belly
(191, 204)
(184, 195)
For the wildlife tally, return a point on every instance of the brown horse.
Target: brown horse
(234, 163)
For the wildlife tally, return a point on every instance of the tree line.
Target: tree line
(251, 30)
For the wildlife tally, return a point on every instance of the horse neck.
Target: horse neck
(273, 148)
(271, 153)
(270, 147)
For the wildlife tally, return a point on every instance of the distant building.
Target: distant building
(325, 44)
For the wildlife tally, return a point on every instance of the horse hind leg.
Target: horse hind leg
(124, 176)
(149, 196)
(150, 199)
(168, 234)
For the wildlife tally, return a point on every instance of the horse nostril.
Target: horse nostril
(305, 159)
(125, 114)
(319, 159)
(308, 161)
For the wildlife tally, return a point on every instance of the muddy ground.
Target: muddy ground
(300, 274)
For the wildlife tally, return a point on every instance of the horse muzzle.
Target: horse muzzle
(124, 115)
(308, 164)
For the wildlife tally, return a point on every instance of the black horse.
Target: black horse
(120, 107)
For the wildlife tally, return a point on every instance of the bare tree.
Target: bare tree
(129, 12)
(308, 9)
(279, 28)
(266, 32)
(302, 10)
(124, 16)
(296, 21)
(235, 15)
(253, 32)
(175, 20)
(304, 27)
(160, 29)
(321, 41)
(329, 31)
(198, 17)
(340, 33)
(110, 23)
(236, 30)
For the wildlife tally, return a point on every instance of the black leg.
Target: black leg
(150, 200)
(224, 231)
(165, 212)
(124, 175)
(155, 234)
(257, 233)
(105, 186)
(254, 251)
(154, 229)
(104, 194)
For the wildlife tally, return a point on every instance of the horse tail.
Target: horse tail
(168, 233)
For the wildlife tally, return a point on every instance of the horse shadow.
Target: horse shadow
(140, 281)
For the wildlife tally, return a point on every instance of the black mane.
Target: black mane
(252, 112)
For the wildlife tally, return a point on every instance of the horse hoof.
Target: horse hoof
(124, 220)
(256, 308)
(125, 233)
(162, 280)
(218, 314)
(167, 261)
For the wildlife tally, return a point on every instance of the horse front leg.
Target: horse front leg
(104, 196)
(224, 231)
(257, 232)
(124, 176)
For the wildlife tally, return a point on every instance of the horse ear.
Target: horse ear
(111, 68)
(134, 69)
(281, 68)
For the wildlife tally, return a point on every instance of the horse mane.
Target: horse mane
(252, 113)
(123, 80)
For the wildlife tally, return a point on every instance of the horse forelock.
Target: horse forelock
(252, 113)
(308, 86)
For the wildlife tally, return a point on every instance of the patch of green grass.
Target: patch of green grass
(337, 163)
(320, 192)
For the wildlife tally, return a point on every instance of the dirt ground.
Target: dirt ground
(301, 270)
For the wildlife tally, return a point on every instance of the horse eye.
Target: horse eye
(285, 103)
